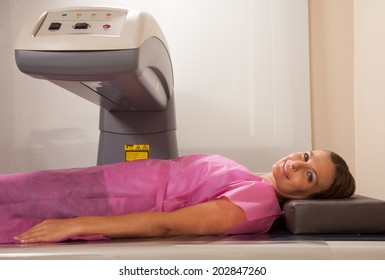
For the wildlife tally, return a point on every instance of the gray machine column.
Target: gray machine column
(130, 135)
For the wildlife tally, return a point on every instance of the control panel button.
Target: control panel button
(54, 26)
(106, 26)
(81, 25)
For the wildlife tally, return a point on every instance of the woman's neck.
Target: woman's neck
(270, 178)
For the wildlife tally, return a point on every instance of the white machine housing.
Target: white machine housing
(115, 58)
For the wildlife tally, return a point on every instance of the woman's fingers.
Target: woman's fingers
(47, 231)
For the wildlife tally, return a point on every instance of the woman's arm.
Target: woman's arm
(212, 217)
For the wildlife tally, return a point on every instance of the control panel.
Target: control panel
(94, 22)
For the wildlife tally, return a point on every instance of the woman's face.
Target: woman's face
(301, 174)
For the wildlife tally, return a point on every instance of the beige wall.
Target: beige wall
(332, 76)
(369, 26)
(347, 54)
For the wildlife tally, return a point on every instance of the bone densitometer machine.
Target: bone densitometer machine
(119, 60)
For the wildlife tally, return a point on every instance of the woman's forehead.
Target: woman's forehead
(324, 167)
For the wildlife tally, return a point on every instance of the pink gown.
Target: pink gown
(145, 185)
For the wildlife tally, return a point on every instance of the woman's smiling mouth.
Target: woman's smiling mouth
(284, 168)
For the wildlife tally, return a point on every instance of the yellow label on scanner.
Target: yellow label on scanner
(136, 151)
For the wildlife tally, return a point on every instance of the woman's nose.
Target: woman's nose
(296, 165)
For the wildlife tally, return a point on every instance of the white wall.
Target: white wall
(6, 90)
(241, 85)
(369, 22)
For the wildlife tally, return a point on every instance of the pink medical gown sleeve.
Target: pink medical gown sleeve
(260, 204)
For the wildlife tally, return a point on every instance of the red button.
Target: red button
(106, 26)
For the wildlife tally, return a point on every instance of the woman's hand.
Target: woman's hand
(50, 231)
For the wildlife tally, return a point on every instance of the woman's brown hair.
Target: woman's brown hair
(343, 185)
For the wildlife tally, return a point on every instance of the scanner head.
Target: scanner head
(115, 58)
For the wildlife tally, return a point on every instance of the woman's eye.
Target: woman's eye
(306, 157)
(309, 176)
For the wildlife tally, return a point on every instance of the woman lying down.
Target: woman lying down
(190, 195)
